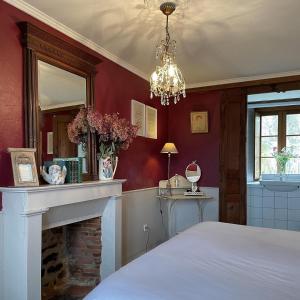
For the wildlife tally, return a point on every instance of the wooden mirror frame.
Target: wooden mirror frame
(41, 45)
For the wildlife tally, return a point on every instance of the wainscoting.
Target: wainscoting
(140, 207)
(1, 254)
(211, 212)
(143, 207)
(273, 209)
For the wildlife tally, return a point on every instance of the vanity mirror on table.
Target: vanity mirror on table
(58, 81)
(193, 175)
(181, 199)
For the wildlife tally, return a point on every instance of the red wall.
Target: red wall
(201, 147)
(142, 165)
(11, 109)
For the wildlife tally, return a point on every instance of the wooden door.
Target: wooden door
(62, 147)
(233, 157)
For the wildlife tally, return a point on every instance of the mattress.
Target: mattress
(212, 261)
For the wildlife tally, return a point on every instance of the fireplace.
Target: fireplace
(71, 257)
(63, 214)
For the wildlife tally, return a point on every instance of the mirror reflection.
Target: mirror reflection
(60, 96)
(59, 88)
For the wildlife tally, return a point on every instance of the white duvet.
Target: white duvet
(212, 261)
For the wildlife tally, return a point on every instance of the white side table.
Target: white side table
(170, 204)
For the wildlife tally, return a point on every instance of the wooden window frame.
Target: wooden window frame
(282, 112)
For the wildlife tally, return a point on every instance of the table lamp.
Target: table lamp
(169, 148)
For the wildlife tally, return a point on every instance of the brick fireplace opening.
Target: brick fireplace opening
(71, 258)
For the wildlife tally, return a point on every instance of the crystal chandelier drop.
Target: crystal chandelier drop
(167, 81)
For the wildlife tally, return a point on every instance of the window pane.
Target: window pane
(269, 125)
(293, 144)
(293, 166)
(256, 166)
(293, 124)
(257, 147)
(267, 145)
(268, 166)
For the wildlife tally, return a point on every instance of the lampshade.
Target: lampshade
(169, 148)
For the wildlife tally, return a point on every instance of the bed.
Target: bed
(212, 261)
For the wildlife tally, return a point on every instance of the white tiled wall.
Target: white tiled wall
(273, 209)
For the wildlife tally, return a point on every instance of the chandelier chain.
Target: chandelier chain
(167, 34)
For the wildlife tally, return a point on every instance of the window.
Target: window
(276, 129)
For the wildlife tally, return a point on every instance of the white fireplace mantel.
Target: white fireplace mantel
(28, 211)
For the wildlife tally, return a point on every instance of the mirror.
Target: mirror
(193, 174)
(58, 81)
(58, 88)
(60, 96)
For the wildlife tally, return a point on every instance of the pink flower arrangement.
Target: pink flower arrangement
(78, 129)
(113, 133)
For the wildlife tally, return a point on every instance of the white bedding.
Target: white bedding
(212, 261)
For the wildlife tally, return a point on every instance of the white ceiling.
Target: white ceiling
(218, 41)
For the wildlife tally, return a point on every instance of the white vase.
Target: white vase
(107, 167)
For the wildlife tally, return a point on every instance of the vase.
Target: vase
(107, 167)
(282, 171)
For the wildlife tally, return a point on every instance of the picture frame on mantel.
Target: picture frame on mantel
(24, 166)
(199, 121)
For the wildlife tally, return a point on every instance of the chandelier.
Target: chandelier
(155, 4)
(167, 81)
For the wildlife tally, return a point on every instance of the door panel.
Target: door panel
(233, 157)
(62, 147)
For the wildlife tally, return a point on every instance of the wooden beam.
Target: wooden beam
(277, 81)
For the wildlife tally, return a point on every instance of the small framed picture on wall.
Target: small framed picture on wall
(199, 122)
(151, 122)
(138, 116)
(24, 166)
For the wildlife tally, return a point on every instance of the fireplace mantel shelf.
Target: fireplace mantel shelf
(42, 198)
(50, 187)
(29, 210)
